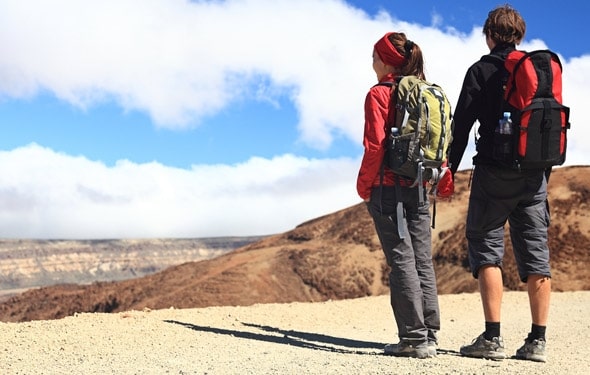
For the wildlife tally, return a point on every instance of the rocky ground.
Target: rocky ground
(332, 337)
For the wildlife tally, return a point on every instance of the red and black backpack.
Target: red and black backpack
(540, 121)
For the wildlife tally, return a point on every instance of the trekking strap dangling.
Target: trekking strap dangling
(434, 181)
(399, 210)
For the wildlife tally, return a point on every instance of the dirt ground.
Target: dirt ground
(331, 337)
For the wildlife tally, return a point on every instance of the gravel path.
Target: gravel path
(334, 337)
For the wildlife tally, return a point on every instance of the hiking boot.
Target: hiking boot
(482, 348)
(403, 349)
(532, 350)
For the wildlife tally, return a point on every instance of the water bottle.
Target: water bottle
(503, 139)
(505, 124)
(396, 156)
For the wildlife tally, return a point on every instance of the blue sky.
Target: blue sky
(172, 118)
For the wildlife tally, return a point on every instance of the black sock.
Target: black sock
(492, 330)
(537, 333)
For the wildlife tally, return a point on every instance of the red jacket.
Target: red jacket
(376, 112)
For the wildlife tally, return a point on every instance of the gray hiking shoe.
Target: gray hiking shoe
(403, 349)
(482, 348)
(533, 350)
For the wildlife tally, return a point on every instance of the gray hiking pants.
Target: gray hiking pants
(412, 281)
(498, 195)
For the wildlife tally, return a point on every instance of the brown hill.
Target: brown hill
(336, 256)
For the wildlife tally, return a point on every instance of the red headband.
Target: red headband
(387, 52)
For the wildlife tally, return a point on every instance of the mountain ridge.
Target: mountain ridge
(335, 256)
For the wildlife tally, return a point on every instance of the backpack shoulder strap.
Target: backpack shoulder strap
(388, 84)
(392, 100)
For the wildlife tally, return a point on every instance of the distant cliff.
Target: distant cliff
(26, 264)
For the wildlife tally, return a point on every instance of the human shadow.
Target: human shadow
(300, 339)
(336, 340)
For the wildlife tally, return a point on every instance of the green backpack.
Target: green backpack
(421, 128)
(421, 124)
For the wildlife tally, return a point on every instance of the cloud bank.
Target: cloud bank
(45, 194)
(182, 61)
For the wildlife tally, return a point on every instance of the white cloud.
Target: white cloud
(180, 61)
(45, 194)
(176, 59)
(576, 93)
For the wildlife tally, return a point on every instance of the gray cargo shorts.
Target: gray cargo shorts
(519, 197)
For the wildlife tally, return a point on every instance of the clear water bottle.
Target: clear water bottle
(505, 124)
(503, 142)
